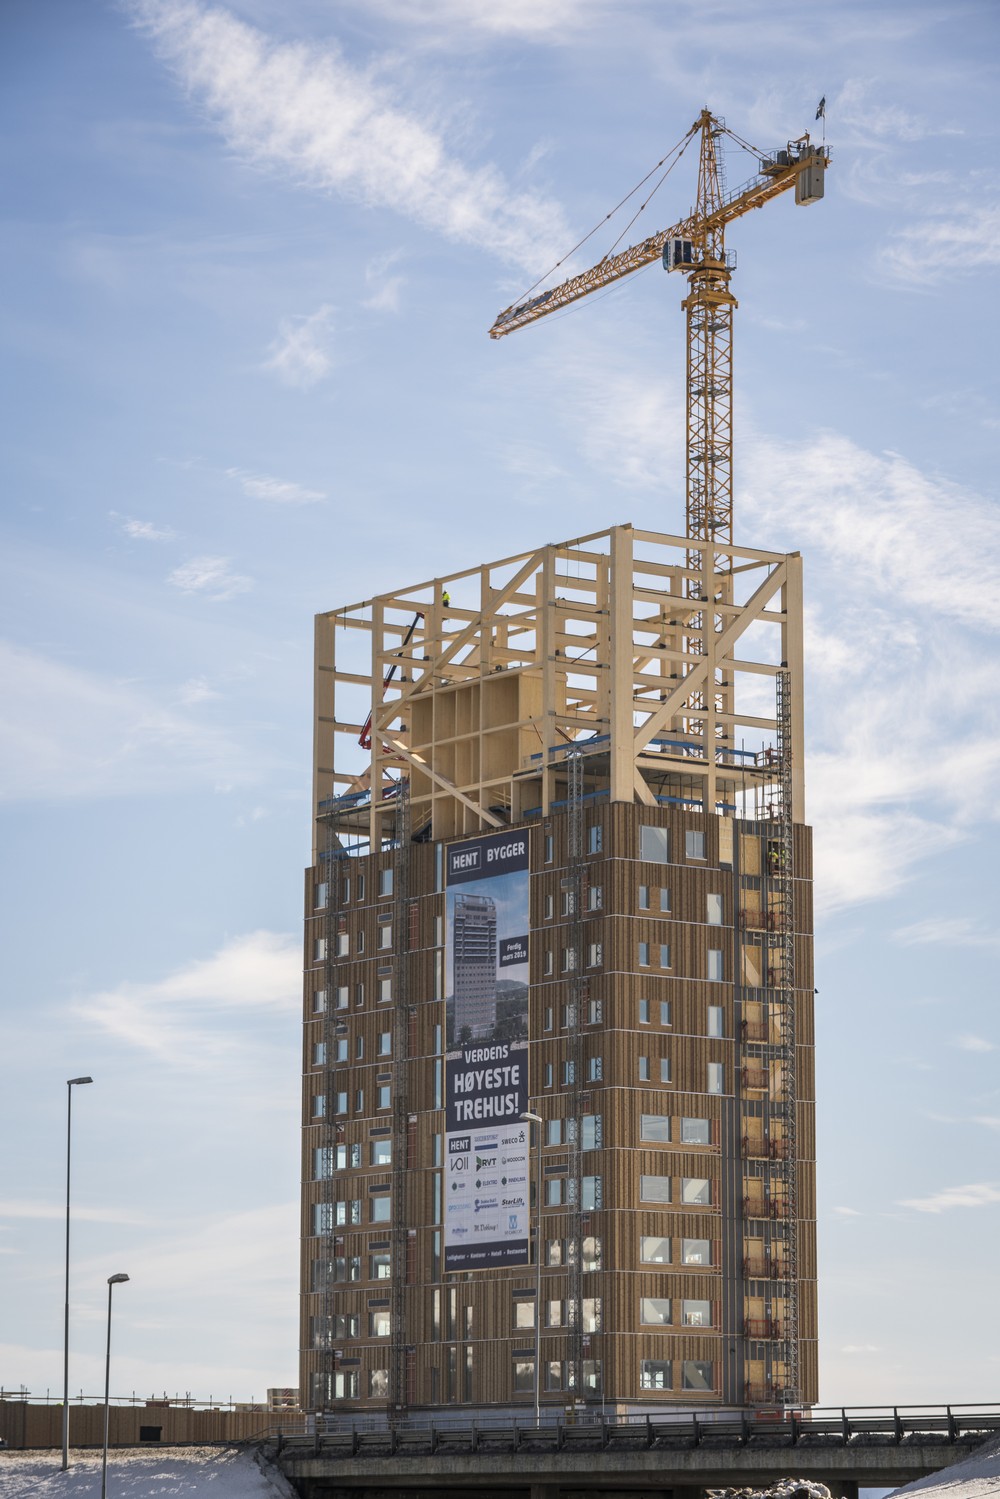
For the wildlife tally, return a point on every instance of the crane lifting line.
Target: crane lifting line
(676, 152)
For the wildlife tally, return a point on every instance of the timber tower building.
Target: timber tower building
(561, 870)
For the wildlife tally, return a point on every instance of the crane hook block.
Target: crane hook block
(678, 254)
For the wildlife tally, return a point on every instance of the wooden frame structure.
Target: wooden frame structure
(628, 647)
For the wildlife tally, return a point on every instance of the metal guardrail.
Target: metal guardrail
(870, 1426)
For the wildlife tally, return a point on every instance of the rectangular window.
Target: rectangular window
(343, 997)
(696, 1191)
(643, 954)
(385, 991)
(716, 1080)
(643, 1069)
(385, 936)
(378, 1383)
(696, 1375)
(643, 897)
(359, 1048)
(549, 848)
(346, 1325)
(340, 1101)
(654, 845)
(547, 1075)
(524, 1376)
(666, 1070)
(553, 1314)
(595, 1069)
(381, 1152)
(655, 1127)
(360, 882)
(654, 1188)
(554, 1192)
(591, 1259)
(343, 944)
(321, 895)
(569, 902)
(547, 1018)
(656, 1374)
(696, 1252)
(592, 1375)
(694, 844)
(553, 1131)
(548, 967)
(380, 1209)
(322, 1217)
(385, 882)
(384, 1096)
(359, 996)
(696, 1132)
(696, 1313)
(595, 898)
(554, 1252)
(591, 1314)
(568, 1073)
(568, 960)
(714, 910)
(547, 909)
(319, 1054)
(664, 1012)
(379, 1324)
(664, 954)
(644, 1012)
(319, 1106)
(322, 1163)
(553, 1375)
(319, 1002)
(654, 1311)
(592, 1197)
(715, 965)
(524, 1314)
(595, 955)
(594, 839)
(361, 941)
(319, 950)
(654, 1250)
(359, 1101)
(665, 900)
(385, 1044)
(714, 1020)
(592, 1133)
(595, 1012)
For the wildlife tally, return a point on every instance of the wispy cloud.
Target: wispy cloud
(852, 1348)
(143, 530)
(514, 18)
(968, 1042)
(211, 576)
(186, 1018)
(22, 1208)
(306, 111)
(949, 931)
(976, 1195)
(277, 491)
(72, 733)
(300, 356)
(386, 287)
(962, 239)
(197, 690)
(845, 1212)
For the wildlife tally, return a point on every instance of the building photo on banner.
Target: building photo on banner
(255, 251)
(486, 1062)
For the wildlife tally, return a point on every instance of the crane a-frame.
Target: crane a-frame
(696, 246)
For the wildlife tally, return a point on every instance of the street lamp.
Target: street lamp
(71, 1083)
(113, 1280)
(537, 1121)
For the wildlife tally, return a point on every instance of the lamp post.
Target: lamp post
(113, 1280)
(537, 1121)
(71, 1083)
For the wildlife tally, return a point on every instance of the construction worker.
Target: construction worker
(445, 597)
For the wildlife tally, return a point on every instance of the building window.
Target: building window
(385, 936)
(592, 1137)
(654, 1311)
(656, 1374)
(343, 996)
(340, 1100)
(379, 1324)
(359, 996)
(360, 882)
(322, 1163)
(319, 1106)
(359, 1101)
(696, 1132)
(360, 945)
(524, 1314)
(547, 1018)
(547, 908)
(654, 845)
(665, 901)
(385, 882)
(321, 895)
(595, 1069)
(595, 838)
(547, 1075)
(549, 848)
(696, 1252)
(666, 1070)
(654, 1250)
(346, 1325)
(345, 1384)
(595, 1012)
(595, 955)
(554, 1314)
(385, 1044)
(595, 898)
(696, 1375)
(592, 1194)
(643, 1069)
(524, 1376)
(381, 1152)
(569, 902)
(319, 1054)
(319, 949)
(319, 1002)
(568, 960)
(715, 1078)
(591, 1314)
(696, 1313)
(664, 954)
(322, 1217)
(591, 1259)
(548, 967)
(384, 1096)
(664, 1012)
(568, 1073)
(654, 1188)
(643, 954)
(644, 1012)
(554, 1252)
(380, 1209)
(714, 910)
(378, 1384)
(554, 1192)
(343, 944)
(696, 1191)
(554, 1376)
(715, 1020)
(715, 965)
(359, 1047)
(655, 1127)
(553, 1131)
(694, 844)
(592, 1375)
(385, 991)
(643, 897)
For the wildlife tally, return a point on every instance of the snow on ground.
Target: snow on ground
(184, 1472)
(975, 1477)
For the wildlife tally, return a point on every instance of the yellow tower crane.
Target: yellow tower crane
(696, 246)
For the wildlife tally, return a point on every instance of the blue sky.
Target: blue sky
(251, 255)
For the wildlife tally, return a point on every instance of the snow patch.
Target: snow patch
(186, 1472)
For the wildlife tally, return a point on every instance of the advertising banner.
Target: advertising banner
(486, 1062)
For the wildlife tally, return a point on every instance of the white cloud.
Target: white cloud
(187, 1017)
(844, 1212)
(976, 1195)
(299, 355)
(951, 931)
(144, 530)
(13, 1208)
(520, 18)
(386, 288)
(72, 733)
(277, 491)
(196, 691)
(961, 240)
(861, 1348)
(211, 576)
(973, 1043)
(307, 112)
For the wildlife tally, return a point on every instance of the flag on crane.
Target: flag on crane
(821, 109)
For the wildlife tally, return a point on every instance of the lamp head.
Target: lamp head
(533, 1118)
(70, 1081)
(116, 1280)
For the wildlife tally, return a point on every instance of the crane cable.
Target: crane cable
(677, 152)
